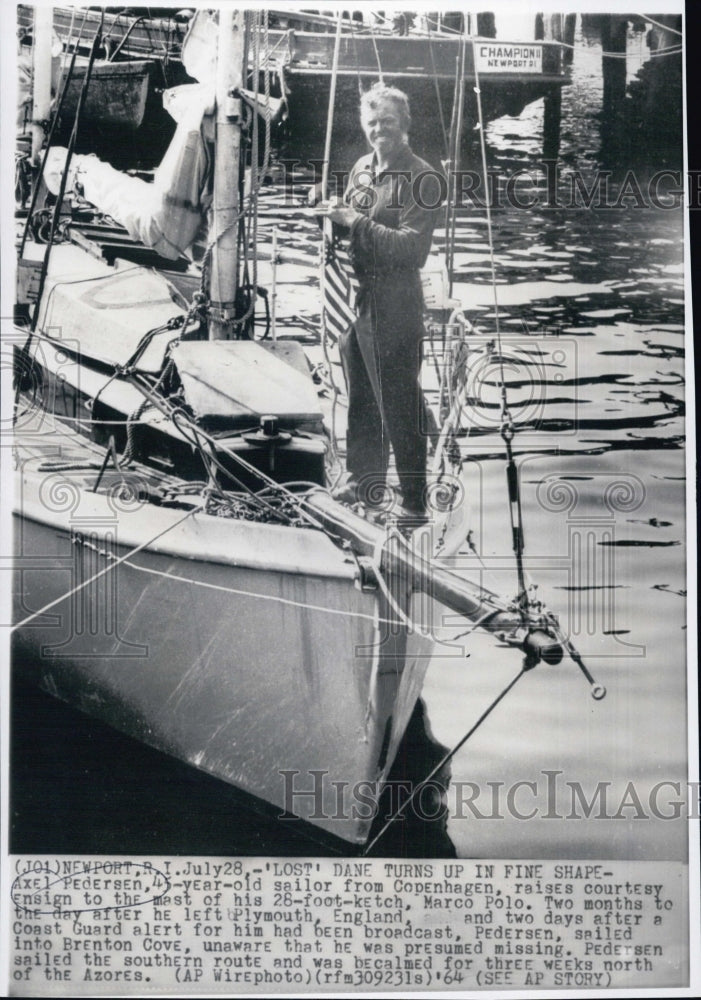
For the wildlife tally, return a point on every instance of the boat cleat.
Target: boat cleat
(367, 574)
(268, 432)
(270, 437)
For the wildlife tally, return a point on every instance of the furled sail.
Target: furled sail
(166, 214)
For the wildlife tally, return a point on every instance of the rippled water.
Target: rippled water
(591, 310)
(604, 411)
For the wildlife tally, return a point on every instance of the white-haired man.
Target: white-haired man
(389, 209)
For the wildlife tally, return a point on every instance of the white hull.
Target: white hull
(244, 649)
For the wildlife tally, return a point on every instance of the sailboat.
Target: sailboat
(181, 569)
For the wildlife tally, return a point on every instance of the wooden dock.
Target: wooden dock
(297, 52)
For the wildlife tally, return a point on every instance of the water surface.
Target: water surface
(591, 313)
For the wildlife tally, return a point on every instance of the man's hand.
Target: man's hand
(314, 195)
(336, 211)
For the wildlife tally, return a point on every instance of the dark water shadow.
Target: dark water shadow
(77, 786)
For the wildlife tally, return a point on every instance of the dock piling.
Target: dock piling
(551, 29)
(613, 66)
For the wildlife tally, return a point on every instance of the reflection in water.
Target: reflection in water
(82, 787)
(420, 830)
(591, 308)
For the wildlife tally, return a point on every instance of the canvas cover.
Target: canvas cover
(243, 379)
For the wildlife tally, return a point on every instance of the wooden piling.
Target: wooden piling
(654, 105)
(664, 83)
(551, 29)
(613, 64)
(552, 115)
(486, 25)
(568, 33)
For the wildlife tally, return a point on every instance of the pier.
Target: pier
(420, 55)
(640, 119)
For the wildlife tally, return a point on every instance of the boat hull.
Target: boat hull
(117, 96)
(267, 666)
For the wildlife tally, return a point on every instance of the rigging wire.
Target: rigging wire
(66, 47)
(326, 230)
(445, 759)
(239, 592)
(49, 140)
(354, 39)
(107, 569)
(64, 177)
(377, 57)
(507, 427)
(59, 199)
(455, 161)
(210, 460)
(658, 24)
(438, 96)
(250, 229)
(450, 167)
(275, 598)
(180, 417)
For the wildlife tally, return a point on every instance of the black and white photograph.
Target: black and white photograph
(348, 530)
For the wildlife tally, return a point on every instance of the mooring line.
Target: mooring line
(102, 572)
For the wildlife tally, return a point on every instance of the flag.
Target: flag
(340, 288)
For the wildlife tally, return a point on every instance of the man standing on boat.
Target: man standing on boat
(388, 212)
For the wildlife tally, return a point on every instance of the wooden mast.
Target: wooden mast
(224, 266)
(41, 72)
